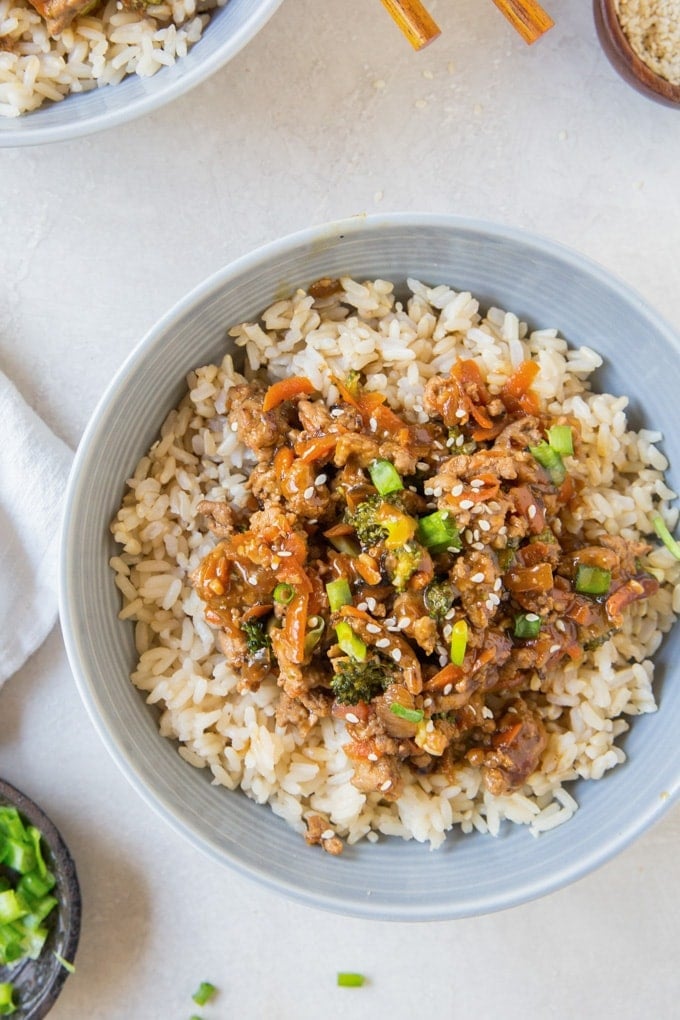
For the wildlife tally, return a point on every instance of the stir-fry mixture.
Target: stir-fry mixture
(418, 581)
(59, 14)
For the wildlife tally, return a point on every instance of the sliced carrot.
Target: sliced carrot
(538, 578)
(283, 459)
(517, 394)
(314, 449)
(286, 389)
(348, 397)
(505, 738)
(450, 674)
(295, 628)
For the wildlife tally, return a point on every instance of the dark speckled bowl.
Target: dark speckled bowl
(38, 982)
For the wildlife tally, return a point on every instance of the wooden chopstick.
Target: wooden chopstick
(527, 16)
(414, 20)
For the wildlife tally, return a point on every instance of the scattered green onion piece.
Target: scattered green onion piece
(550, 459)
(459, 638)
(385, 477)
(561, 439)
(527, 625)
(284, 593)
(438, 532)
(349, 642)
(665, 536)
(203, 993)
(339, 594)
(7, 1005)
(315, 629)
(592, 580)
(414, 715)
(348, 980)
(66, 964)
(11, 908)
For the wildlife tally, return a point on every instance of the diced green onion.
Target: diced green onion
(315, 629)
(284, 593)
(561, 439)
(665, 536)
(592, 580)
(7, 1006)
(438, 532)
(385, 476)
(550, 459)
(66, 964)
(203, 993)
(349, 642)
(459, 638)
(11, 908)
(414, 715)
(348, 980)
(527, 625)
(339, 594)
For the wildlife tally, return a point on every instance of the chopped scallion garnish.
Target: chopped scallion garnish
(527, 625)
(459, 638)
(315, 629)
(551, 460)
(592, 580)
(7, 1005)
(349, 980)
(339, 594)
(66, 964)
(665, 536)
(284, 593)
(203, 993)
(561, 439)
(414, 715)
(438, 532)
(350, 643)
(385, 477)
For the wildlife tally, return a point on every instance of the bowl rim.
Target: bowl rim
(43, 134)
(627, 62)
(532, 887)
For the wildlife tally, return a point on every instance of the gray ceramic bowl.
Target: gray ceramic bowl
(543, 283)
(38, 983)
(230, 28)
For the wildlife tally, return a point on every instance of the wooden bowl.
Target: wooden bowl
(626, 61)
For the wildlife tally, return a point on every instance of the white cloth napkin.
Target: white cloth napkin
(34, 466)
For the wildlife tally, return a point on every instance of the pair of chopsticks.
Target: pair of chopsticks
(420, 28)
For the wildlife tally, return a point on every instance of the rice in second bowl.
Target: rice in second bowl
(397, 348)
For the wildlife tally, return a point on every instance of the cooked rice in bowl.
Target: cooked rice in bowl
(396, 347)
(96, 49)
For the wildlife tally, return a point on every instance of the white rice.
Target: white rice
(198, 456)
(97, 49)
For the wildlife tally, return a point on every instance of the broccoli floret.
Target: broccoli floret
(355, 681)
(438, 598)
(364, 521)
(257, 639)
(403, 563)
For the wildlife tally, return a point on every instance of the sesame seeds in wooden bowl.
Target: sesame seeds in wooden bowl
(644, 50)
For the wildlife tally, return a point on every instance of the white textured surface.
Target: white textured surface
(327, 113)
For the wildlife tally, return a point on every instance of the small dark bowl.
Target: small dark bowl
(38, 982)
(626, 61)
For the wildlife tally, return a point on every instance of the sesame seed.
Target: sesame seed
(372, 628)
(382, 642)
(478, 577)
(351, 717)
(427, 702)
(560, 625)
(450, 615)
(309, 492)
(475, 535)
(404, 622)
(489, 606)
(336, 412)
(438, 492)
(468, 535)
(412, 488)
(374, 424)
(396, 654)
(292, 486)
(437, 445)
(430, 726)
(554, 648)
(486, 712)
(450, 441)
(386, 785)
(362, 606)
(390, 621)
(531, 617)
(422, 465)
(460, 440)
(447, 630)
(372, 756)
(427, 490)
(498, 584)
(466, 504)
(327, 834)
(370, 602)
(252, 579)
(443, 659)
(447, 690)
(477, 483)
(502, 530)
(460, 413)
(234, 426)
(452, 549)
(531, 512)
(320, 479)
(484, 525)
(284, 553)
(494, 599)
